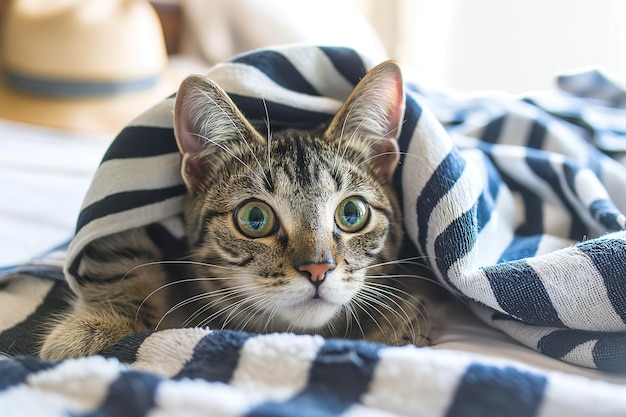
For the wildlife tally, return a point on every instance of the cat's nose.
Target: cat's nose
(317, 272)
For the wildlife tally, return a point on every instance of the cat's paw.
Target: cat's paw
(83, 335)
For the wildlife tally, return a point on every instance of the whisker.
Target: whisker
(180, 281)
(172, 262)
(269, 140)
(387, 292)
(225, 295)
(204, 295)
(359, 303)
(383, 291)
(402, 262)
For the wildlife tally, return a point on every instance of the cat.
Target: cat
(299, 231)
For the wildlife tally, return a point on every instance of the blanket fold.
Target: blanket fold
(509, 202)
(516, 203)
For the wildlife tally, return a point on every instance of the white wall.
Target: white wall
(513, 45)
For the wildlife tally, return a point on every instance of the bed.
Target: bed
(517, 203)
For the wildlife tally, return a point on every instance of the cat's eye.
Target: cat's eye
(255, 219)
(352, 214)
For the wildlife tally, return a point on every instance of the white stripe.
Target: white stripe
(497, 234)
(315, 66)
(119, 222)
(549, 243)
(166, 352)
(577, 291)
(429, 145)
(573, 396)
(20, 298)
(473, 283)
(160, 115)
(175, 226)
(557, 162)
(612, 174)
(517, 125)
(459, 199)
(275, 367)
(512, 161)
(589, 188)
(417, 382)
(562, 139)
(582, 354)
(248, 81)
(134, 174)
(199, 398)
(74, 386)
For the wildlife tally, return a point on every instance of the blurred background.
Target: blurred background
(508, 45)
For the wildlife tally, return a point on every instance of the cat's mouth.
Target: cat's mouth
(312, 313)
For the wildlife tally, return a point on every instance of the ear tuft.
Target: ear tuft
(205, 121)
(372, 116)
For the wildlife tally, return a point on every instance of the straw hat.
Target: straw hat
(79, 48)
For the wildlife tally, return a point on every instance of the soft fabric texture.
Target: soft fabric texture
(515, 203)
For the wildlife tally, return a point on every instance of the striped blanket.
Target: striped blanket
(515, 202)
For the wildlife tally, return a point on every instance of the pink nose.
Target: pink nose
(317, 272)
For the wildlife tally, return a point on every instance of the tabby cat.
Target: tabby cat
(298, 231)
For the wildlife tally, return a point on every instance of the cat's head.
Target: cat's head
(290, 226)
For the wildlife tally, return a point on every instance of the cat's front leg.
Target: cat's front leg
(124, 294)
(84, 333)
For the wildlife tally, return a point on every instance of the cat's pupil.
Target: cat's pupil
(256, 218)
(351, 213)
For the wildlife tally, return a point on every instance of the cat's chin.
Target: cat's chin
(312, 314)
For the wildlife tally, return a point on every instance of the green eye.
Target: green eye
(352, 214)
(255, 219)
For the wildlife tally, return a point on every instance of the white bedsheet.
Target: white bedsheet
(44, 174)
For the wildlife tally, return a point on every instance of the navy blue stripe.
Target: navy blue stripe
(521, 247)
(215, 357)
(281, 116)
(340, 375)
(609, 352)
(412, 114)
(528, 234)
(126, 349)
(437, 186)
(520, 292)
(491, 132)
(537, 135)
(142, 141)
(541, 166)
(486, 391)
(15, 371)
(609, 258)
(456, 241)
(347, 62)
(561, 342)
(605, 212)
(132, 394)
(279, 69)
(485, 205)
(19, 340)
(117, 203)
(66, 88)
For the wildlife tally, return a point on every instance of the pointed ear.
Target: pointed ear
(372, 116)
(205, 121)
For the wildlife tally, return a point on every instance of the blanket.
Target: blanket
(514, 202)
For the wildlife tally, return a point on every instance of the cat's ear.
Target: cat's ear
(205, 121)
(372, 116)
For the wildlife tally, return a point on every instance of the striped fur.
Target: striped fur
(303, 177)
